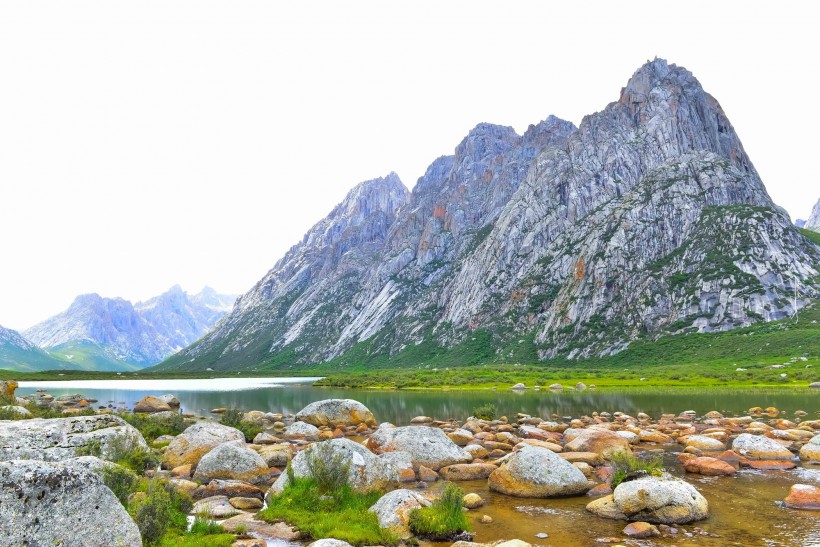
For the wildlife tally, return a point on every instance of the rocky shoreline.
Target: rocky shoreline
(51, 466)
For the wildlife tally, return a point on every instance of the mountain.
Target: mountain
(114, 334)
(646, 220)
(17, 353)
(813, 223)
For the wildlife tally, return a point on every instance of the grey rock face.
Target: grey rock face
(394, 508)
(61, 438)
(813, 223)
(142, 333)
(231, 460)
(335, 413)
(536, 472)
(649, 218)
(427, 446)
(50, 503)
(663, 500)
(366, 472)
(196, 441)
(758, 447)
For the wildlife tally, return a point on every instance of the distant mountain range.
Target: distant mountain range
(97, 333)
(648, 219)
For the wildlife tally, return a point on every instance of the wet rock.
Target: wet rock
(427, 475)
(461, 437)
(590, 458)
(246, 504)
(394, 508)
(150, 404)
(420, 420)
(197, 440)
(366, 472)
(62, 438)
(216, 507)
(301, 430)
(329, 543)
(467, 471)
(336, 413)
(811, 450)
(702, 442)
(276, 455)
(252, 525)
(708, 466)
(427, 446)
(641, 530)
(60, 503)
(757, 447)
(473, 501)
(803, 496)
(663, 500)
(536, 472)
(233, 461)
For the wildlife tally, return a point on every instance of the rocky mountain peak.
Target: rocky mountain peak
(813, 223)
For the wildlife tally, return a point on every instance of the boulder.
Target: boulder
(246, 504)
(708, 466)
(196, 441)
(366, 471)
(276, 455)
(215, 507)
(227, 488)
(170, 400)
(535, 472)
(301, 430)
(758, 447)
(473, 501)
(7, 388)
(641, 530)
(803, 496)
(56, 439)
(461, 437)
(601, 441)
(251, 525)
(265, 438)
(22, 411)
(393, 510)
(232, 460)
(150, 404)
(60, 503)
(518, 387)
(467, 471)
(336, 413)
(702, 442)
(427, 446)
(664, 500)
(811, 450)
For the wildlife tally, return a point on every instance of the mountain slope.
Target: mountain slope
(813, 223)
(647, 219)
(17, 353)
(113, 334)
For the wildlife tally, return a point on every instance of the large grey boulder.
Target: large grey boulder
(196, 441)
(231, 461)
(335, 413)
(302, 429)
(366, 471)
(660, 500)
(56, 439)
(276, 455)
(60, 503)
(537, 472)
(427, 446)
(758, 447)
(394, 508)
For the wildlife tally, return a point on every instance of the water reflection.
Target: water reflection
(289, 395)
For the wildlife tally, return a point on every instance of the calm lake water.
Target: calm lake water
(289, 395)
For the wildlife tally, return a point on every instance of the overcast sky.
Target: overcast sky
(144, 144)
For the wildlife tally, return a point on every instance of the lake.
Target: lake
(289, 395)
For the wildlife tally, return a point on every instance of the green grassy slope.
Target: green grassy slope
(29, 360)
(88, 356)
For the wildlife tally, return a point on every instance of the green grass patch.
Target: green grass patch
(153, 427)
(626, 466)
(444, 519)
(340, 514)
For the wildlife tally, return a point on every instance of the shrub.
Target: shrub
(444, 519)
(626, 466)
(152, 513)
(205, 527)
(153, 427)
(233, 417)
(123, 482)
(329, 469)
(122, 451)
(486, 411)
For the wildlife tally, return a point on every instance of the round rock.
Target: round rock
(535, 472)
(336, 413)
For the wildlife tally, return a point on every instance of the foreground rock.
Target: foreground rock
(803, 496)
(811, 450)
(659, 500)
(758, 447)
(196, 441)
(601, 441)
(427, 446)
(62, 438)
(336, 413)
(535, 472)
(231, 461)
(394, 508)
(366, 471)
(150, 405)
(50, 503)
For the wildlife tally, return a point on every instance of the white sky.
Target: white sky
(149, 143)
